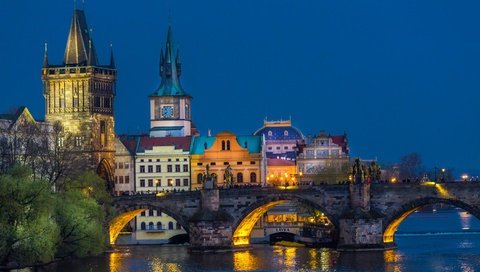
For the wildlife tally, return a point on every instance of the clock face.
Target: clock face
(167, 112)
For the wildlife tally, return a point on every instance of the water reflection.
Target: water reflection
(245, 261)
(465, 219)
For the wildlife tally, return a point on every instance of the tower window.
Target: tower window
(96, 102)
(103, 133)
(223, 145)
(228, 144)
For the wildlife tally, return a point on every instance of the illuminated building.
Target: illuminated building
(323, 159)
(79, 93)
(283, 141)
(243, 155)
(170, 108)
(124, 179)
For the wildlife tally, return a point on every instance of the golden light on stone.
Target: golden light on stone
(442, 191)
(388, 235)
(119, 222)
(241, 236)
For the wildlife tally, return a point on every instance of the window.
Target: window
(228, 144)
(143, 226)
(177, 159)
(127, 179)
(142, 168)
(149, 160)
(170, 182)
(120, 165)
(205, 146)
(142, 183)
(150, 213)
(158, 168)
(223, 145)
(116, 179)
(96, 101)
(245, 144)
(239, 177)
(170, 225)
(141, 160)
(269, 133)
(179, 226)
(177, 182)
(185, 182)
(103, 133)
(159, 213)
(169, 159)
(159, 225)
(199, 163)
(253, 177)
(151, 226)
(213, 163)
(120, 179)
(184, 159)
(185, 168)
(285, 133)
(199, 178)
(285, 147)
(75, 102)
(150, 183)
(150, 168)
(169, 168)
(142, 213)
(278, 148)
(78, 140)
(239, 163)
(252, 162)
(269, 148)
(177, 168)
(225, 163)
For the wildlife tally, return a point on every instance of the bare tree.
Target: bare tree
(410, 167)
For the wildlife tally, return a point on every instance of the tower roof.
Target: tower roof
(170, 69)
(79, 43)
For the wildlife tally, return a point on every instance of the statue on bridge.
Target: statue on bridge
(209, 180)
(358, 171)
(228, 177)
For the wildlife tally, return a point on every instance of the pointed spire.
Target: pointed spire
(170, 66)
(45, 56)
(79, 41)
(112, 58)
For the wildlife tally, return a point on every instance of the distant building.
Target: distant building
(324, 158)
(124, 165)
(79, 94)
(283, 142)
(243, 156)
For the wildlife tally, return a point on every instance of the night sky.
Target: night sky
(397, 76)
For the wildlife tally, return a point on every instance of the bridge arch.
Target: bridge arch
(127, 213)
(394, 219)
(244, 224)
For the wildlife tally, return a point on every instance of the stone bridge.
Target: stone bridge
(365, 216)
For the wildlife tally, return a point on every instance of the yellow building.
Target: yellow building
(79, 94)
(242, 156)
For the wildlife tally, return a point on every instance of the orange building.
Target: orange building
(225, 154)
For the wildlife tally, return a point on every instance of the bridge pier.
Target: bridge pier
(210, 227)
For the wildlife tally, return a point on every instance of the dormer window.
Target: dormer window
(270, 133)
(285, 133)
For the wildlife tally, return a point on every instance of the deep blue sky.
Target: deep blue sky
(397, 76)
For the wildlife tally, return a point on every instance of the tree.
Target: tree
(333, 173)
(410, 167)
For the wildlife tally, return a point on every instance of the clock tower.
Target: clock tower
(170, 112)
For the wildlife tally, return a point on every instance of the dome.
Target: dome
(280, 133)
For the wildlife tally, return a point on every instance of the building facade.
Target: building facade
(325, 159)
(79, 94)
(124, 177)
(283, 142)
(226, 154)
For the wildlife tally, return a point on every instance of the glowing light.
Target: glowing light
(161, 194)
(442, 191)
(465, 219)
(245, 261)
(465, 177)
(389, 233)
(393, 180)
(115, 261)
(119, 222)
(241, 236)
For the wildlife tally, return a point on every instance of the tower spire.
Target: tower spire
(90, 56)
(112, 58)
(78, 42)
(45, 56)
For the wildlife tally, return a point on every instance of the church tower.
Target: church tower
(170, 112)
(79, 94)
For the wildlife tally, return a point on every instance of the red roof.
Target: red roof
(147, 142)
(341, 140)
(280, 162)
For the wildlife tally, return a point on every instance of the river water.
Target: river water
(427, 241)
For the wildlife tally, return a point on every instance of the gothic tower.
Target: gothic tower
(170, 112)
(79, 93)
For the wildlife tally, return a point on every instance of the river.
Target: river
(447, 240)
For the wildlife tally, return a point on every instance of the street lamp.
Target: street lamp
(443, 174)
(464, 177)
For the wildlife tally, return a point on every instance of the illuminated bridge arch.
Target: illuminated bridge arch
(395, 218)
(243, 225)
(127, 213)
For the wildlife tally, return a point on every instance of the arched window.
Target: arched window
(179, 226)
(253, 177)
(142, 226)
(205, 145)
(228, 145)
(170, 225)
(151, 226)
(223, 145)
(285, 133)
(270, 133)
(239, 177)
(159, 225)
(199, 178)
(246, 144)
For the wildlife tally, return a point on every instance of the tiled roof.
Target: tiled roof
(280, 133)
(254, 143)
